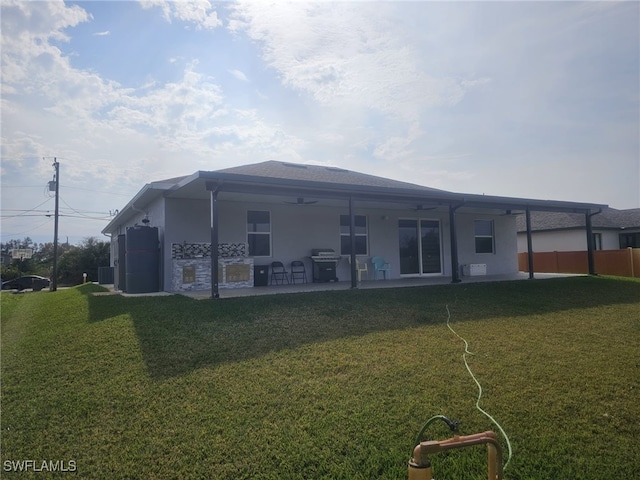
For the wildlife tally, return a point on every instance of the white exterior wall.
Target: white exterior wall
(296, 229)
(504, 260)
(566, 241)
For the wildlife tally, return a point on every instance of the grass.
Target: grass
(332, 385)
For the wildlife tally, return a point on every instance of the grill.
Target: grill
(325, 261)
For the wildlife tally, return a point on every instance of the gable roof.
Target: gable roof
(608, 219)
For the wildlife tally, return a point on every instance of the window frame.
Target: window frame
(629, 240)
(345, 249)
(597, 241)
(480, 249)
(255, 233)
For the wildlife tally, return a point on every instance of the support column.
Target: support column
(590, 248)
(352, 243)
(529, 244)
(214, 188)
(455, 267)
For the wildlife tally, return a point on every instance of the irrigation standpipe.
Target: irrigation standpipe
(420, 464)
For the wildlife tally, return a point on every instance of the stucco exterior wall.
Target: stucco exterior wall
(566, 241)
(504, 260)
(296, 229)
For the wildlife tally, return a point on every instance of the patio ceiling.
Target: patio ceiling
(243, 187)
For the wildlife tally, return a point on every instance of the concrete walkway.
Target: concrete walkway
(332, 286)
(366, 284)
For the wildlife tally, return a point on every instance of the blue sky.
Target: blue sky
(524, 99)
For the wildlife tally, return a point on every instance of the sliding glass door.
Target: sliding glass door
(419, 242)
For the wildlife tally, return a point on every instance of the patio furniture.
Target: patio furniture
(278, 272)
(360, 269)
(380, 265)
(325, 262)
(298, 271)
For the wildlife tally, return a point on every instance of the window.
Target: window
(629, 240)
(483, 230)
(360, 234)
(259, 233)
(597, 241)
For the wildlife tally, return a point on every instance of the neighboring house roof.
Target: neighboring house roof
(288, 179)
(608, 219)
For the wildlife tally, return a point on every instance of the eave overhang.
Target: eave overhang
(198, 184)
(275, 186)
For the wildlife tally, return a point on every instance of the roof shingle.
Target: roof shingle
(318, 173)
(610, 218)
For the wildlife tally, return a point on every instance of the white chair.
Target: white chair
(360, 269)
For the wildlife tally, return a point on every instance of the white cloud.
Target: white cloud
(26, 38)
(239, 75)
(103, 130)
(350, 54)
(396, 148)
(441, 94)
(199, 12)
(102, 34)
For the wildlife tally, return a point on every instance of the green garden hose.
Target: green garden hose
(464, 357)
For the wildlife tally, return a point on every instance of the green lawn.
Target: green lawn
(331, 385)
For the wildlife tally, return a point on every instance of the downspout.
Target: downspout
(455, 268)
(214, 188)
(352, 243)
(529, 244)
(590, 249)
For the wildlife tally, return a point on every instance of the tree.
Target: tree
(16, 267)
(90, 255)
(43, 257)
(73, 260)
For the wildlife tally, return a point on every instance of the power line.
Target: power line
(77, 211)
(83, 216)
(98, 191)
(26, 231)
(34, 208)
(72, 188)
(24, 210)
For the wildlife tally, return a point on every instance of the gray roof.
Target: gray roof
(317, 173)
(275, 178)
(608, 219)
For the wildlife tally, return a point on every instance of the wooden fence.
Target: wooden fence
(624, 263)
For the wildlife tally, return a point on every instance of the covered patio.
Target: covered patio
(279, 213)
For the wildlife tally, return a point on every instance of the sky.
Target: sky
(518, 99)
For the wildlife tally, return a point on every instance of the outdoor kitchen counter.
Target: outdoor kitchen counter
(191, 266)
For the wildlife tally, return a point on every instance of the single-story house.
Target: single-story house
(564, 231)
(331, 219)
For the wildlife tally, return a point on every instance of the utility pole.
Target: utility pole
(54, 280)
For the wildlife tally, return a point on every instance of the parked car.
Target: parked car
(35, 282)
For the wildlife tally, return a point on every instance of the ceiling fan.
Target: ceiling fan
(420, 208)
(511, 213)
(301, 201)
